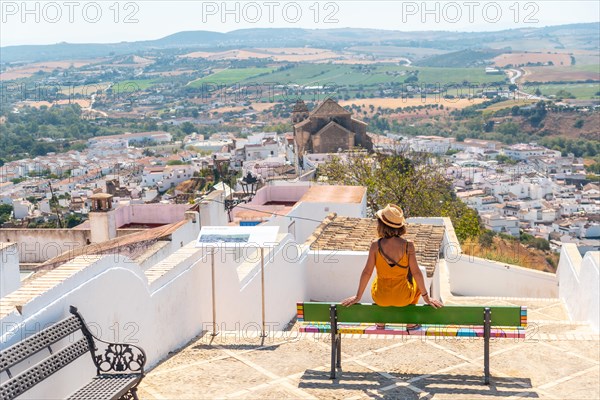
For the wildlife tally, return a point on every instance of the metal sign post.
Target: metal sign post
(262, 289)
(214, 301)
(237, 237)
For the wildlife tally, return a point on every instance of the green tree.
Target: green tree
(508, 128)
(486, 239)
(408, 181)
(5, 212)
(188, 128)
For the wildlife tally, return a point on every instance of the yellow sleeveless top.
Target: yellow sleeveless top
(391, 286)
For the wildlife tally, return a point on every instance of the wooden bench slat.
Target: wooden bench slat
(32, 376)
(425, 330)
(38, 341)
(455, 320)
(413, 314)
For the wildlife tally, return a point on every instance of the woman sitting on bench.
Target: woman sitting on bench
(399, 281)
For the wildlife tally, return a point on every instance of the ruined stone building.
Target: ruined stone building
(329, 128)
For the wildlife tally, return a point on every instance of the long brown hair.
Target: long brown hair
(386, 231)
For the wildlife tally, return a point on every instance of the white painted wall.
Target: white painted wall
(21, 209)
(238, 294)
(474, 276)
(102, 226)
(169, 312)
(579, 284)
(212, 209)
(334, 275)
(10, 279)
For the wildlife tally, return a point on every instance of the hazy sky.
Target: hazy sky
(44, 22)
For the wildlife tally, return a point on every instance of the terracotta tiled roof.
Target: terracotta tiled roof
(334, 194)
(330, 107)
(357, 234)
(330, 126)
(120, 244)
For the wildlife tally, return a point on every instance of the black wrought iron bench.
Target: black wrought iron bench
(456, 321)
(119, 366)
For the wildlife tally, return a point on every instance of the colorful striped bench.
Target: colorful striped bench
(456, 321)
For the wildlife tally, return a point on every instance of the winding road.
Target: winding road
(514, 75)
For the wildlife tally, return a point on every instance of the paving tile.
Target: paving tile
(555, 311)
(353, 380)
(561, 330)
(582, 387)
(214, 380)
(195, 352)
(291, 358)
(397, 393)
(467, 382)
(585, 348)
(472, 348)
(415, 358)
(540, 363)
(384, 367)
(271, 392)
(356, 347)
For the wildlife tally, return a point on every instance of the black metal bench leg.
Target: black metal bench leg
(334, 340)
(487, 322)
(131, 394)
(339, 349)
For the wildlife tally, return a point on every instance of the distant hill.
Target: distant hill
(460, 59)
(573, 36)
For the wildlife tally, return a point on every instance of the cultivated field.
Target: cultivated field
(564, 74)
(230, 76)
(260, 107)
(397, 51)
(29, 70)
(176, 72)
(300, 54)
(134, 85)
(582, 91)
(401, 103)
(292, 54)
(85, 90)
(508, 104)
(37, 104)
(374, 75)
(226, 55)
(133, 61)
(516, 59)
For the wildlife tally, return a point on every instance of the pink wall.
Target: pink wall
(150, 213)
(279, 193)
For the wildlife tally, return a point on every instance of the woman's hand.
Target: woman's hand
(350, 300)
(433, 302)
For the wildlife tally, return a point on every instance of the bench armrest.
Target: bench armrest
(119, 357)
(115, 357)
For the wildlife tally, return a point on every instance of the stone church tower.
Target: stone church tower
(299, 112)
(329, 128)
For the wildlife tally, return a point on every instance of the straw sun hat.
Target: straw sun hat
(392, 216)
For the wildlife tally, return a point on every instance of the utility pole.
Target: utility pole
(56, 207)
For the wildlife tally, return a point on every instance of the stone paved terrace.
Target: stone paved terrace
(557, 360)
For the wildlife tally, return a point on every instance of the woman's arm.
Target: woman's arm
(418, 275)
(364, 277)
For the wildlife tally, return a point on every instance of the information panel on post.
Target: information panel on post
(237, 236)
